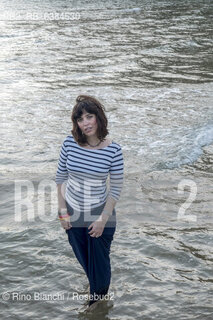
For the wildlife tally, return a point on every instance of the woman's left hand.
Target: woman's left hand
(97, 228)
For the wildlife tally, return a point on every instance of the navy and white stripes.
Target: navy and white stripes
(85, 173)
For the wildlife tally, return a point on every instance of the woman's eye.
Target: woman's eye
(80, 119)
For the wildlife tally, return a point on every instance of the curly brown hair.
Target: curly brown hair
(90, 105)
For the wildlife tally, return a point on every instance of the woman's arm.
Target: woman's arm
(61, 196)
(62, 208)
(107, 210)
(61, 177)
(116, 183)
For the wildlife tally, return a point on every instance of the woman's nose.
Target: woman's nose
(85, 122)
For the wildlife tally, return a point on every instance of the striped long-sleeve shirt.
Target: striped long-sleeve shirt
(85, 173)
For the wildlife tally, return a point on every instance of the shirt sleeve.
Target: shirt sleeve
(62, 173)
(116, 175)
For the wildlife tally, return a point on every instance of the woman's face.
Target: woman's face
(87, 123)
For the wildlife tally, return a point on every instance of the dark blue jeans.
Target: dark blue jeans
(94, 255)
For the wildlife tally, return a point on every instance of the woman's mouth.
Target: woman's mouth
(88, 129)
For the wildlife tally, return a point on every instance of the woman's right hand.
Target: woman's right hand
(65, 223)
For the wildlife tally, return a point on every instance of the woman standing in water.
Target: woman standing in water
(87, 209)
